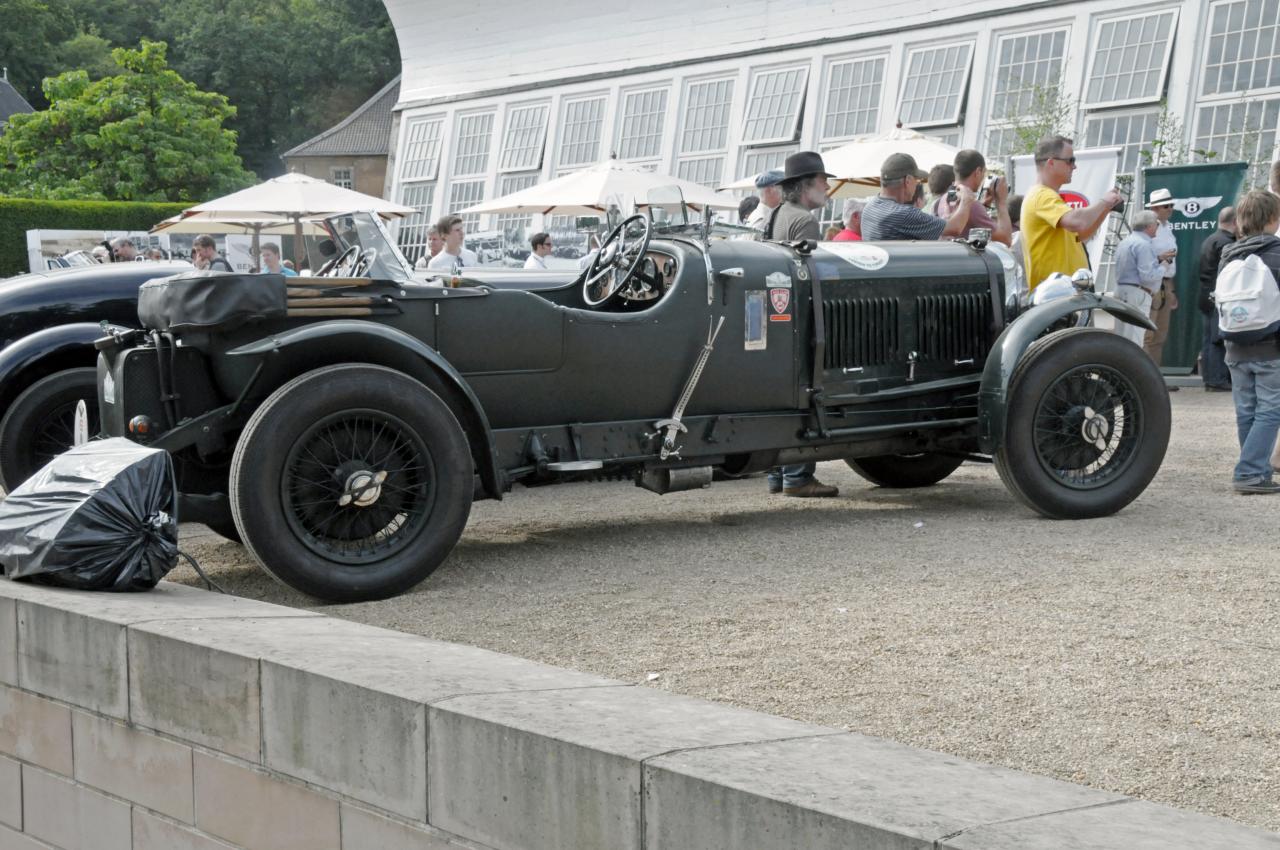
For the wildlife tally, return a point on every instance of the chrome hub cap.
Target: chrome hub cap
(362, 488)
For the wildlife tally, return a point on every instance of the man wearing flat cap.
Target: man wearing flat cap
(769, 185)
(1165, 301)
(892, 215)
(804, 190)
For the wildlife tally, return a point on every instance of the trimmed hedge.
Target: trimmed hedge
(18, 215)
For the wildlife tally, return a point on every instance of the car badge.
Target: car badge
(781, 299)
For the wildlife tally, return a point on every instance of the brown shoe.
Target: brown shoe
(813, 489)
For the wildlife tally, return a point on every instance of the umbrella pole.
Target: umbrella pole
(297, 243)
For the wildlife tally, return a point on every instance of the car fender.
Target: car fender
(22, 354)
(1012, 344)
(387, 346)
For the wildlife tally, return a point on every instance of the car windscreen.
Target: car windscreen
(366, 231)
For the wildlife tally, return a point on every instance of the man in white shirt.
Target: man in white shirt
(541, 245)
(770, 185)
(1165, 300)
(453, 258)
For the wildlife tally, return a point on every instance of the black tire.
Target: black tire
(291, 471)
(1088, 424)
(905, 471)
(225, 528)
(40, 424)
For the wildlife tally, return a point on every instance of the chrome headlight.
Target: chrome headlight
(1015, 280)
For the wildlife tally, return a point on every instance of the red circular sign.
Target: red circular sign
(1075, 200)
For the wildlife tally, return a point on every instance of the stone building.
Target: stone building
(353, 153)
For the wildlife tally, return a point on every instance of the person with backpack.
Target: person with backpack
(1247, 298)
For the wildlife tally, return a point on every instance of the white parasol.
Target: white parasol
(593, 190)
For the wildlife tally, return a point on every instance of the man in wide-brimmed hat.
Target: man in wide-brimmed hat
(1165, 301)
(804, 191)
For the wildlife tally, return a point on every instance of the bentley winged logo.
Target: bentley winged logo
(1192, 207)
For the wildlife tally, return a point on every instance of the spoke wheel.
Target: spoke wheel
(351, 483)
(358, 486)
(40, 424)
(1087, 425)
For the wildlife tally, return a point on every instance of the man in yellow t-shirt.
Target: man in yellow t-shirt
(1053, 234)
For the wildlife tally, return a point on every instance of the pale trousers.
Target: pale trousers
(1139, 298)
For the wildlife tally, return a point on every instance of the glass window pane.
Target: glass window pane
(471, 153)
(1243, 50)
(421, 149)
(774, 107)
(706, 116)
(936, 78)
(525, 138)
(643, 118)
(580, 131)
(463, 194)
(1028, 64)
(412, 237)
(1129, 63)
(1241, 130)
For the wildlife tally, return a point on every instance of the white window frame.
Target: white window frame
(951, 119)
(347, 182)
(539, 138)
(687, 163)
(563, 140)
(686, 103)
(791, 127)
(1260, 164)
(1163, 80)
(412, 231)
(521, 221)
(620, 136)
(456, 204)
(433, 171)
(1208, 44)
(826, 114)
(483, 153)
(997, 47)
(1144, 113)
(779, 153)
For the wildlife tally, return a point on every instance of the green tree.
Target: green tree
(144, 134)
(87, 52)
(31, 30)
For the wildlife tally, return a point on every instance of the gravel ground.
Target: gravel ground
(1138, 654)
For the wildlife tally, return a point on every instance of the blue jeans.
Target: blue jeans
(1213, 368)
(1255, 389)
(795, 475)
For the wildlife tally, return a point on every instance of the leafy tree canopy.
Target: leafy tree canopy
(144, 134)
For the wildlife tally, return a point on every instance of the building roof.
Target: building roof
(11, 103)
(365, 132)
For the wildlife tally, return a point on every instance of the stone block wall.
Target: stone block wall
(185, 720)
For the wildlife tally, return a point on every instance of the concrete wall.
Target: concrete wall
(369, 173)
(185, 720)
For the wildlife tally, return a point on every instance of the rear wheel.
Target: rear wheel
(40, 424)
(351, 483)
(1087, 427)
(905, 471)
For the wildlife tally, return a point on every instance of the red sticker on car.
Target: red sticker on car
(781, 299)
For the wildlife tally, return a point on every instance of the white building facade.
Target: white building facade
(497, 96)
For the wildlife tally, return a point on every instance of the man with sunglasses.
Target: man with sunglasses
(1053, 233)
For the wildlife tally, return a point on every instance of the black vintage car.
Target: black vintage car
(48, 322)
(342, 425)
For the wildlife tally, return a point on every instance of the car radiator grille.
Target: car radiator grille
(861, 332)
(953, 327)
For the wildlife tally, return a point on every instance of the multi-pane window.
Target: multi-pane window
(936, 80)
(341, 177)
(421, 155)
(706, 116)
(525, 138)
(1028, 68)
(463, 194)
(854, 88)
(947, 135)
(1131, 59)
(580, 131)
(707, 170)
(471, 153)
(1243, 51)
(757, 160)
(773, 110)
(643, 116)
(413, 228)
(515, 224)
(1133, 131)
(1241, 130)
(1002, 142)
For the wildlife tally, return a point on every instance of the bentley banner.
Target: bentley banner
(1200, 192)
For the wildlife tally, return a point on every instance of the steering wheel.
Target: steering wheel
(364, 265)
(342, 265)
(616, 262)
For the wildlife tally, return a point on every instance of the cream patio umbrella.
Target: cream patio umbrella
(593, 190)
(856, 165)
(291, 198)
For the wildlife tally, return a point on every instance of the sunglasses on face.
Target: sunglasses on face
(1069, 160)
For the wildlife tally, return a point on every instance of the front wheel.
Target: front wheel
(905, 471)
(351, 483)
(40, 424)
(1087, 427)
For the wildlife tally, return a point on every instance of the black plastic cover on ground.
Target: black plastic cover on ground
(102, 516)
(210, 301)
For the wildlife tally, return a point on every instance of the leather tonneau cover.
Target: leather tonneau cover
(210, 301)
